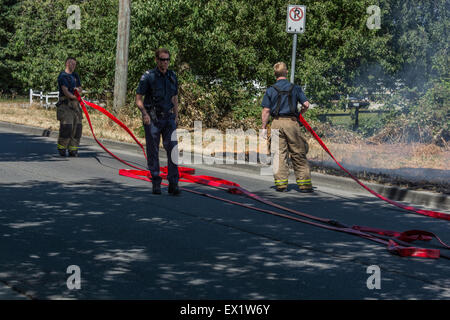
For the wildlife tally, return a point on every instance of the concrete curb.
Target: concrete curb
(424, 198)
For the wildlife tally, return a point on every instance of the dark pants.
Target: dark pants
(153, 133)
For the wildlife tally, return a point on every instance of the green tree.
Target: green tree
(7, 26)
(419, 31)
(43, 41)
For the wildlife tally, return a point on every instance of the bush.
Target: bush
(431, 116)
(424, 119)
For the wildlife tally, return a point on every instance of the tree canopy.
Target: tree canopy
(231, 42)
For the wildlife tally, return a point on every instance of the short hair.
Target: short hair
(161, 50)
(70, 58)
(280, 69)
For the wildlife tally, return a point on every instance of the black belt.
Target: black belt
(285, 117)
(164, 114)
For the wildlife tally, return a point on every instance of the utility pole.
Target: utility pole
(123, 38)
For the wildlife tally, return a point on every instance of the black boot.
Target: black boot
(156, 189)
(73, 153)
(62, 152)
(173, 189)
(306, 190)
(281, 189)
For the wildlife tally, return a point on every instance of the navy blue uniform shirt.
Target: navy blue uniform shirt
(271, 96)
(159, 87)
(69, 80)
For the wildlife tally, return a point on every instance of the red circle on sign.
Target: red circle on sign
(296, 14)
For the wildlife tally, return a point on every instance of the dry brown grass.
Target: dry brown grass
(37, 116)
(347, 147)
(386, 156)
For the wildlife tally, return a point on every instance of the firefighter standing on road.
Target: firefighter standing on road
(68, 110)
(160, 117)
(280, 102)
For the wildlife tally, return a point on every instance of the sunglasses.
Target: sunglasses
(162, 59)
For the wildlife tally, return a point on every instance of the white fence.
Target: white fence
(46, 97)
(55, 96)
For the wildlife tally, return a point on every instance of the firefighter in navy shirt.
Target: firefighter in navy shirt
(68, 110)
(159, 110)
(280, 102)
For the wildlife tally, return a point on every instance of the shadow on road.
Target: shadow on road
(21, 147)
(130, 244)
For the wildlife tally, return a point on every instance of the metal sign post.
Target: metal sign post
(294, 53)
(295, 23)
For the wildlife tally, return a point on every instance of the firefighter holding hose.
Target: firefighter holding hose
(68, 110)
(280, 103)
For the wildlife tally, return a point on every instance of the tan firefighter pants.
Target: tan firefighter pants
(293, 144)
(70, 116)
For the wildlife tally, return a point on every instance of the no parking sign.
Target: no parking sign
(296, 16)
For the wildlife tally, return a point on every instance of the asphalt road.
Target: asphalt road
(129, 244)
